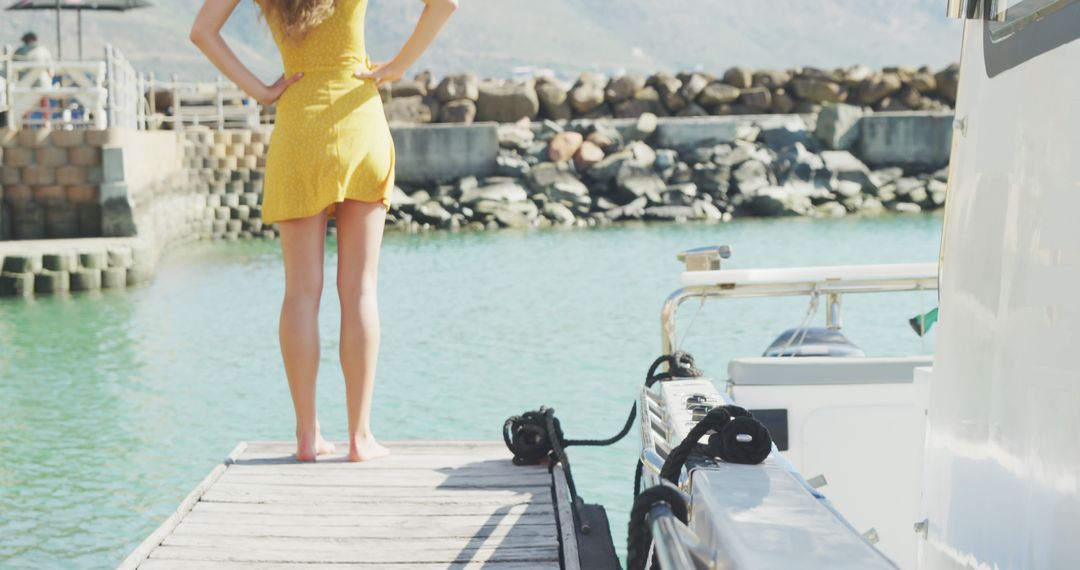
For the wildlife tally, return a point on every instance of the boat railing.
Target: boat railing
(703, 278)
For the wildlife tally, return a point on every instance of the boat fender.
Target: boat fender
(639, 533)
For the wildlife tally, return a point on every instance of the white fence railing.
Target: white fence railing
(111, 93)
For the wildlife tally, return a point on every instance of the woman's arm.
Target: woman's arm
(206, 34)
(436, 14)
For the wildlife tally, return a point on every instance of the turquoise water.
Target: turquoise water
(113, 406)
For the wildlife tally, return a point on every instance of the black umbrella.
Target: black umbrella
(78, 6)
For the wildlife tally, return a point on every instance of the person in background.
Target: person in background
(31, 50)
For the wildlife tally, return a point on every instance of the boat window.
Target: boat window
(1010, 16)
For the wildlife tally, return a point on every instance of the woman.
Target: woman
(331, 155)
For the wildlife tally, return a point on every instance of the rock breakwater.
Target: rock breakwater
(464, 98)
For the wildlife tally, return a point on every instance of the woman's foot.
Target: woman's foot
(366, 448)
(307, 448)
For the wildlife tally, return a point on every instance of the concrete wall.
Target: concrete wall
(917, 141)
(440, 153)
(49, 183)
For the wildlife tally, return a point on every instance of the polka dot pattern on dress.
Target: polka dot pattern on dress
(331, 141)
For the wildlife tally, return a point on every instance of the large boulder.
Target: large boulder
(622, 88)
(771, 79)
(554, 101)
(716, 94)
(510, 164)
(769, 201)
(431, 212)
(633, 182)
(672, 213)
(646, 100)
(750, 176)
(506, 102)
(587, 95)
(739, 77)
(407, 110)
(587, 155)
(692, 86)
(948, 81)
(817, 89)
(838, 126)
(458, 111)
(510, 215)
(563, 146)
(842, 165)
(756, 99)
(669, 90)
(873, 90)
(502, 191)
(852, 76)
(460, 86)
(408, 88)
(782, 102)
(635, 210)
(559, 214)
(514, 136)
(558, 184)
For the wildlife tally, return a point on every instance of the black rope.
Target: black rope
(639, 534)
(737, 438)
(528, 438)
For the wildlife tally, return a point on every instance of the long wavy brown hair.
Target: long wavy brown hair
(297, 17)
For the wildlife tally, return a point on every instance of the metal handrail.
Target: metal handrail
(831, 281)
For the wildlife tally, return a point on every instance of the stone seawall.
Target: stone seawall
(130, 195)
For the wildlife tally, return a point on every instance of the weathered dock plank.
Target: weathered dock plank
(429, 505)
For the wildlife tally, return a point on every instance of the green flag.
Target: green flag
(922, 323)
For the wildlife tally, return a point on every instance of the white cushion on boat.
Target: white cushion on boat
(773, 371)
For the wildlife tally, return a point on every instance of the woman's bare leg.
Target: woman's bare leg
(359, 234)
(302, 242)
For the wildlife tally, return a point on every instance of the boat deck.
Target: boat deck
(429, 505)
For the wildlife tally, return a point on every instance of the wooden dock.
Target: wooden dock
(429, 505)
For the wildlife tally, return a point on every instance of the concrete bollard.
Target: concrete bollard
(28, 263)
(52, 281)
(114, 277)
(60, 262)
(86, 280)
(16, 284)
(93, 260)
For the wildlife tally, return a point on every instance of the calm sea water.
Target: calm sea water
(113, 406)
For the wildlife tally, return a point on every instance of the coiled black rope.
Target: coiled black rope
(737, 438)
(639, 534)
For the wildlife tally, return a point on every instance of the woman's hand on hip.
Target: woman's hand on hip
(274, 91)
(381, 73)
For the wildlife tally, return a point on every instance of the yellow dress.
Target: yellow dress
(331, 141)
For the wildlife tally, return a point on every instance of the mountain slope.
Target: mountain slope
(495, 36)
